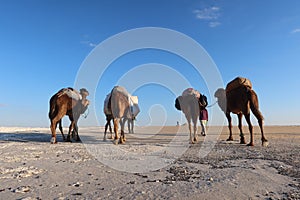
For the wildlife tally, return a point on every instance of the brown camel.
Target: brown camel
(190, 102)
(240, 99)
(69, 102)
(121, 109)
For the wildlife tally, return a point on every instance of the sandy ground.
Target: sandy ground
(32, 168)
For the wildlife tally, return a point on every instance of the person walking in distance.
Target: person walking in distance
(203, 120)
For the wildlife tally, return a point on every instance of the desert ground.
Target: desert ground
(149, 166)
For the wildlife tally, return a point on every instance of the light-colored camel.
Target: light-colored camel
(121, 109)
(69, 102)
(190, 104)
(130, 117)
(240, 100)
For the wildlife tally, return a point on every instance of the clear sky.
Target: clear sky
(44, 43)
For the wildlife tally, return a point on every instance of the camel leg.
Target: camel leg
(254, 107)
(123, 128)
(105, 130)
(263, 139)
(195, 129)
(108, 124)
(116, 127)
(71, 127)
(190, 129)
(188, 118)
(122, 138)
(61, 129)
(128, 125)
(260, 122)
(132, 125)
(229, 126)
(195, 133)
(242, 138)
(76, 132)
(111, 133)
(53, 125)
(53, 131)
(247, 116)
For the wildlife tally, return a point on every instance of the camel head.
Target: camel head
(220, 94)
(84, 93)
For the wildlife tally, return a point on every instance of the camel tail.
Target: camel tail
(53, 108)
(254, 104)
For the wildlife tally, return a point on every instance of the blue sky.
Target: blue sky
(44, 43)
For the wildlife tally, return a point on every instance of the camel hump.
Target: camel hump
(121, 90)
(237, 82)
(131, 100)
(70, 92)
(191, 91)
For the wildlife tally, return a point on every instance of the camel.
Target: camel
(191, 102)
(68, 102)
(239, 98)
(120, 107)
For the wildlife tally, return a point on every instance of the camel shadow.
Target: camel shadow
(27, 137)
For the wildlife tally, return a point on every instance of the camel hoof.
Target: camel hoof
(265, 143)
(250, 144)
(195, 139)
(121, 141)
(116, 142)
(230, 139)
(53, 140)
(242, 140)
